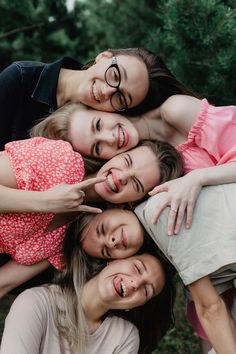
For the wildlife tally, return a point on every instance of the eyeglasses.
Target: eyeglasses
(113, 78)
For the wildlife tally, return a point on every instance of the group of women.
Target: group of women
(54, 184)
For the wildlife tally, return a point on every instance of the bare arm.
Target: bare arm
(214, 316)
(59, 199)
(13, 274)
(181, 111)
(183, 193)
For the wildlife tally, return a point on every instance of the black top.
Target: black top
(27, 93)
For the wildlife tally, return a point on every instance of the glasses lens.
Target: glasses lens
(112, 76)
(118, 101)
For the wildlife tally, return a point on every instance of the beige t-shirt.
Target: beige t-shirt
(30, 329)
(209, 246)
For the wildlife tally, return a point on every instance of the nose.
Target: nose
(108, 137)
(113, 241)
(107, 91)
(135, 283)
(123, 177)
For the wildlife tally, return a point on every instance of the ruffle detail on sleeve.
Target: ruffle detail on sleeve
(196, 128)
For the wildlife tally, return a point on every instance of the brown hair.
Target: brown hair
(168, 158)
(162, 83)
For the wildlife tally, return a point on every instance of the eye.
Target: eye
(97, 148)
(127, 162)
(137, 269)
(136, 185)
(146, 291)
(115, 76)
(98, 124)
(106, 252)
(120, 99)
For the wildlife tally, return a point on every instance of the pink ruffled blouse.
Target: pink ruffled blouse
(38, 165)
(212, 139)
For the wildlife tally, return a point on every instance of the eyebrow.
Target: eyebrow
(136, 179)
(126, 77)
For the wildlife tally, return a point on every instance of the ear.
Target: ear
(105, 54)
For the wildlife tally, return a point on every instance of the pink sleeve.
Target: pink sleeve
(40, 163)
(215, 131)
(41, 246)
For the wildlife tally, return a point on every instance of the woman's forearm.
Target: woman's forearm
(214, 316)
(216, 175)
(13, 274)
(15, 200)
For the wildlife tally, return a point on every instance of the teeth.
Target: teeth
(123, 289)
(111, 183)
(94, 93)
(121, 137)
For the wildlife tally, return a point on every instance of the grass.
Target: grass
(179, 340)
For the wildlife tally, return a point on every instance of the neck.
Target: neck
(68, 86)
(92, 305)
(143, 128)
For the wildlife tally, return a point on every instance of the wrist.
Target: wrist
(198, 176)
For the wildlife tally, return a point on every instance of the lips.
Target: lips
(111, 185)
(119, 287)
(95, 94)
(123, 137)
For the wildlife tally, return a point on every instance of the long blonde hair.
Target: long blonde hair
(66, 298)
(56, 125)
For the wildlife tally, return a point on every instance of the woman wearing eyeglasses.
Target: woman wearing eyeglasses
(31, 90)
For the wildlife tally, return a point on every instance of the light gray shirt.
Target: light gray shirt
(209, 246)
(30, 329)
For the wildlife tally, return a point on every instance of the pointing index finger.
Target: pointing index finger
(91, 181)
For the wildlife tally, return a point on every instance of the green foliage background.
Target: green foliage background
(196, 37)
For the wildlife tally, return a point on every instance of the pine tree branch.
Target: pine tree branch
(21, 29)
(31, 27)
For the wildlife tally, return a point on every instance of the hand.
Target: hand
(181, 197)
(69, 197)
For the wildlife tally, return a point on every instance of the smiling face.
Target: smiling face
(131, 282)
(129, 176)
(101, 134)
(96, 93)
(114, 233)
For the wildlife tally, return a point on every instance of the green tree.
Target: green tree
(33, 30)
(198, 40)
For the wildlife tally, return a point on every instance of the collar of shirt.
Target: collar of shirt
(46, 87)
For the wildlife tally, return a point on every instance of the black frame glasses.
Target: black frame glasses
(117, 99)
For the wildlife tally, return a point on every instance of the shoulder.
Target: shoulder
(31, 302)
(177, 107)
(145, 210)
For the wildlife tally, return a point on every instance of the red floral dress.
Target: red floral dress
(38, 165)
